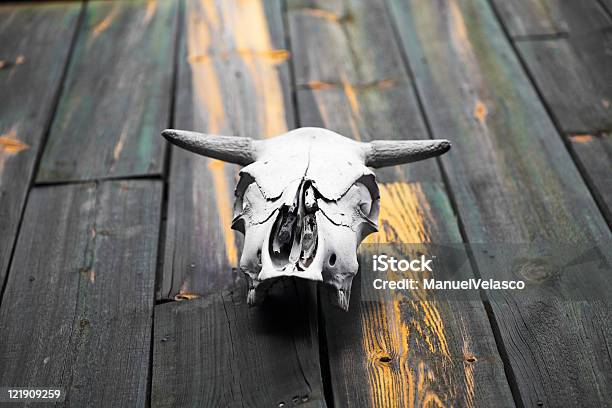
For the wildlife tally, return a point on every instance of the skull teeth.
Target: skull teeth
(343, 300)
(251, 297)
(339, 297)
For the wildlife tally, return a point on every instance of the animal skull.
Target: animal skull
(305, 200)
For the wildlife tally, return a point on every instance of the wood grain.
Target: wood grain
(117, 94)
(513, 182)
(77, 309)
(233, 80)
(358, 97)
(396, 351)
(525, 18)
(409, 348)
(214, 350)
(575, 79)
(595, 154)
(219, 352)
(33, 53)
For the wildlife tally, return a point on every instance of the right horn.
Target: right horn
(383, 153)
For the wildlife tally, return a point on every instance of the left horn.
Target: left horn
(383, 153)
(231, 149)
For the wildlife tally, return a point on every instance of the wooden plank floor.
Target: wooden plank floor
(118, 269)
(385, 353)
(117, 94)
(78, 301)
(31, 68)
(527, 188)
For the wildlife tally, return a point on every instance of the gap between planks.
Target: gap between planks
(513, 384)
(164, 204)
(565, 137)
(43, 142)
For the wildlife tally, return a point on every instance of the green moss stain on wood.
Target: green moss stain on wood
(514, 182)
(33, 53)
(117, 94)
(529, 18)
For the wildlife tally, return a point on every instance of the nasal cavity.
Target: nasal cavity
(294, 235)
(283, 235)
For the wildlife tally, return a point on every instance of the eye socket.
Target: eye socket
(365, 199)
(251, 195)
(365, 207)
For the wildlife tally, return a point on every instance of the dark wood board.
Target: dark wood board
(232, 80)
(219, 352)
(575, 79)
(77, 311)
(212, 350)
(413, 349)
(357, 96)
(393, 351)
(33, 53)
(525, 18)
(117, 94)
(594, 152)
(356, 61)
(513, 182)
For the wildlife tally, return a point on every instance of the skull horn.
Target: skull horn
(231, 149)
(382, 153)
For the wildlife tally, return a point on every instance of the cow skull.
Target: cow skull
(305, 200)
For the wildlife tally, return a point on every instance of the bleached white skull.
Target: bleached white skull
(305, 200)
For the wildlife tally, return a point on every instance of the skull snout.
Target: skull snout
(341, 264)
(309, 237)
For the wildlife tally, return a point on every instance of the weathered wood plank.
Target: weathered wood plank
(513, 181)
(550, 17)
(358, 90)
(233, 80)
(475, 93)
(215, 351)
(394, 351)
(357, 61)
(410, 349)
(33, 53)
(595, 155)
(219, 352)
(575, 79)
(77, 308)
(117, 94)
